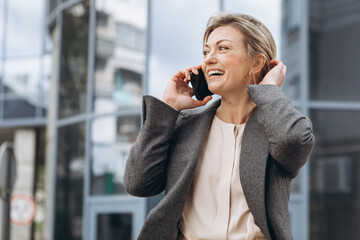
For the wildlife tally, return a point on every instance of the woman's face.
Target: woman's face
(226, 65)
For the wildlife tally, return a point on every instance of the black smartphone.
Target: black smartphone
(199, 85)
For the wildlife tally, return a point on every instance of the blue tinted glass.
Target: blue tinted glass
(24, 27)
(16, 108)
(120, 61)
(334, 175)
(52, 5)
(2, 15)
(111, 139)
(334, 51)
(22, 76)
(74, 56)
(69, 182)
(114, 226)
(44, 84)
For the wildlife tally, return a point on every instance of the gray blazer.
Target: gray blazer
(276, 143)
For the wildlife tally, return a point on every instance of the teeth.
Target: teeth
(217, 72)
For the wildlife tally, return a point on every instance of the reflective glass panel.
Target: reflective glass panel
(121, 28)
(74, 53)
(52, 5)
(24, 27)
(21, 107)
(335, 175)
(40, 182)
(1, 29)
(296, 185)
(112, 138)
(48, 41)
(22, 76)
(69, 182)
(334, 50)
(290, 47)
(114, 226)
(177, 29)
(44, 86)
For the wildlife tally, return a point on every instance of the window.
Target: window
(24, 27)
(334, 178)
(114, 226)
(112, 138)
(74, 53)
(120, 55)
(70, 182)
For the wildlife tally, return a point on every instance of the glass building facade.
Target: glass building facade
(72, 77)
(25, 69)
(320, 46)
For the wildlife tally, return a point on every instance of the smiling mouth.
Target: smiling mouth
(215, 73)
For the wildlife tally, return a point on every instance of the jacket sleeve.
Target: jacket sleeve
(289, 132)
(145, 172)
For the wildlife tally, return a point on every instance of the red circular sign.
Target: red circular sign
(23, 209)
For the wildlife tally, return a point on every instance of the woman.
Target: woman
(226, 169)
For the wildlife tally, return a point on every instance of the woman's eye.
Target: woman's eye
(222, 48)
(205, 53)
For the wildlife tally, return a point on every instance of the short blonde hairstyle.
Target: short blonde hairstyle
(258, 39)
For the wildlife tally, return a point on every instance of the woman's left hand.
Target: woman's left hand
(276, 75)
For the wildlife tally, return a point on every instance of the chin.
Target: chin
(214, 88)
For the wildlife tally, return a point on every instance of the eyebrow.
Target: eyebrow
(218, 42)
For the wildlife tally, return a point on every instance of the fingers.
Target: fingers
(205, 100)
(279, 65)
(184, 74)
(199, 103)
(194, 69)
(277, 73)
(274, 62)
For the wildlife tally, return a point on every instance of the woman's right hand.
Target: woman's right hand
(178, 94)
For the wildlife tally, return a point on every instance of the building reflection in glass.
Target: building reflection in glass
(114, 226)
(120, 54)
(74, 56)
(334, 35)
(292, 44)
(24, 64)
(334, 56)
(70, 182)
(334, 178)
(112, 138)
(24, 27)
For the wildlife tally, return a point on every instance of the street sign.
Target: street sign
(23, 209)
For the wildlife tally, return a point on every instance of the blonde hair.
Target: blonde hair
(258, 39)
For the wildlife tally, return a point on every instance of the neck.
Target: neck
(236, 110)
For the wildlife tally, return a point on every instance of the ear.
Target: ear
(257, 64)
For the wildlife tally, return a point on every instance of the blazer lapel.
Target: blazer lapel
(188, 146)
(199, 129)
(253, 159)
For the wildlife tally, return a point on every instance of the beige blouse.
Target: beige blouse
(215, 207)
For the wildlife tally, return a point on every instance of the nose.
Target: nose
(210, 58)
